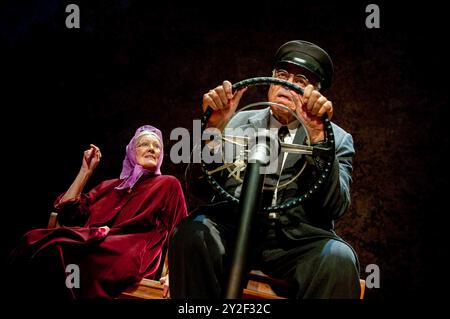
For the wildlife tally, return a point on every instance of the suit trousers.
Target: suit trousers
(201, 246)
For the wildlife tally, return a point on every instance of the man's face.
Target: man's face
(289, 98)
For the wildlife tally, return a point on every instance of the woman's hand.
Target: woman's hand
(91, 158)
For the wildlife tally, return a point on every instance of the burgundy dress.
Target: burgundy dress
(140, 222)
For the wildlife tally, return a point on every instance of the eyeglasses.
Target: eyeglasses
(147, 143)
(299, 79)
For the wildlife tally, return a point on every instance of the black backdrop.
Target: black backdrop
(139, 62)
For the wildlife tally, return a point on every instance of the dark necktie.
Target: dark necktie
(283, 132)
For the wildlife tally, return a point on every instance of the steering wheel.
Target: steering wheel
(322, 154)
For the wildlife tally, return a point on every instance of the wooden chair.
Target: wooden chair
(259, 285)
(53, 220)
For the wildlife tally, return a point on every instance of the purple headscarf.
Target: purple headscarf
(131, 170)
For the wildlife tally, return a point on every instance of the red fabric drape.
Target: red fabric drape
(140, 222)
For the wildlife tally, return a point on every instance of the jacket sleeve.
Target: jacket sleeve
(199, 191)
(333, 200)
(75, 212)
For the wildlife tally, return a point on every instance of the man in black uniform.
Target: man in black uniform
(300, 246)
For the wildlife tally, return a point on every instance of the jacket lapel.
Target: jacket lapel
(261, 119)
(298, 139)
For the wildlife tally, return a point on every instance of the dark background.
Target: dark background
(141, 62)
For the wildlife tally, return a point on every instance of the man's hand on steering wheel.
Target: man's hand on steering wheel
(311, 107)
(223, 102)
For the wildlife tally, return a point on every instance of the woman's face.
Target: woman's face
(148, 150)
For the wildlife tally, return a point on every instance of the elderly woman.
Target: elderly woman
(125, 224)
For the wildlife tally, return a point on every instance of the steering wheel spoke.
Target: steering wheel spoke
(296, 149)
(220, 168)
(236, 139)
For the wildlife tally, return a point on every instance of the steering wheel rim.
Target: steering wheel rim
(319, 153)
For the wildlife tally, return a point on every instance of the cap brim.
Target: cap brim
(304, 61)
